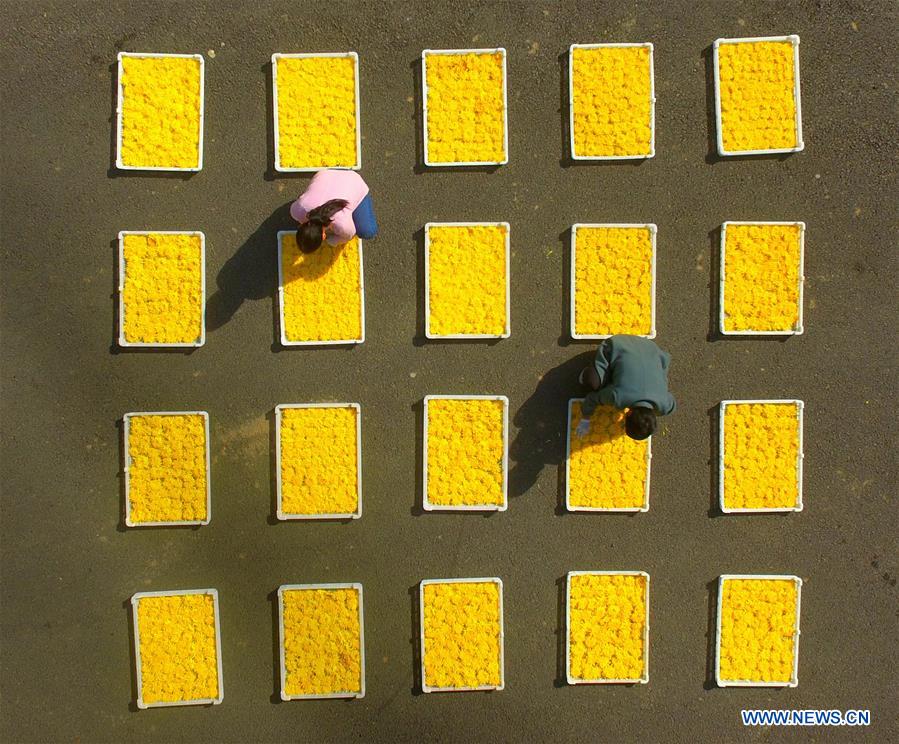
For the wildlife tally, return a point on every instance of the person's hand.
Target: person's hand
(583, 428)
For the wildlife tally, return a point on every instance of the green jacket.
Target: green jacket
(633, 372)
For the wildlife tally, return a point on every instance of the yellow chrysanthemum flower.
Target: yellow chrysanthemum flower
(612, 101)
(178, 661)
(462, 624)
(161, 121)
(316, 116)
(465, 453)
(467, 280)
(758, 626)
(606, 468)
(167, 476)
(613, 272)
(761, 277)
(322, 292)
(322, 642)
(465, 107)
(162, 291)
(607, 620)
(758, 105)
(761, 455)
(319, 473)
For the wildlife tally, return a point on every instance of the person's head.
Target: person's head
(311, 231)
(640, 423)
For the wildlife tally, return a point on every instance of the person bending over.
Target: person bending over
(631, 373)
(335, 208)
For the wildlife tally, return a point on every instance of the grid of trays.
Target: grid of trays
(136, 598)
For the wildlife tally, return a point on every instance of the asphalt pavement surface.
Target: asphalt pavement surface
(68, 565)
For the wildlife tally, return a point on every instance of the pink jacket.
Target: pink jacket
(333, 184)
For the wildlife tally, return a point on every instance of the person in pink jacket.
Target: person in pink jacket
(335, 208)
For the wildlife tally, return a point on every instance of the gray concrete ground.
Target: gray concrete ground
(68, 568)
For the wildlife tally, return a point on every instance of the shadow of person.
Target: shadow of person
(541, 422)
(251, 273)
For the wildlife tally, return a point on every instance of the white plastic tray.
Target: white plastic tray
(275, 57)
(127, 470)
(278, 416)
(798, 328)
(653, 230)
(135, 599)
(507, 331)
(644, 678)
(568, 505)
(652, 104)
(122, 266)
(424, 103)
(794, 681)
(425, 687)
(426, 504)
(302, 587)
(120, 102)
(794, 40)
(284, 340)
(724, 404)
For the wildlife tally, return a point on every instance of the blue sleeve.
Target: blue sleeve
(603, 360)
(670, 406)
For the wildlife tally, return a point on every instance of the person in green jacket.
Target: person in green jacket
(629, 372)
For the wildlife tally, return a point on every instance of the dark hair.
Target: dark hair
(309, 233)
(640, 423)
